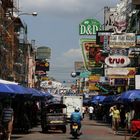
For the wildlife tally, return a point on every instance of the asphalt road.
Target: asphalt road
(92, 130)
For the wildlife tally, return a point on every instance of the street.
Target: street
(92, 130)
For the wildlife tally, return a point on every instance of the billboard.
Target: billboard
(43, 52)
(115, 18)
(125, 40)
(42, 66)
(91, 53)
(89, 27)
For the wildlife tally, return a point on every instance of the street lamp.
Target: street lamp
(18, 15)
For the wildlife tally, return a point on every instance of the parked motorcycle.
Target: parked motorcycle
(75, 130)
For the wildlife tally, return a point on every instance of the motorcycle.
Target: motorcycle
(75, 130)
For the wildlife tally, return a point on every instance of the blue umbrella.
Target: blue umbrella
(5, 89)
(98, 99)
(34, 92)
(129, 96)
(18, 89)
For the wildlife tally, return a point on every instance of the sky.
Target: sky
(57, 27)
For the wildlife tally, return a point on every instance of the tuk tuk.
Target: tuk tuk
(54, 117)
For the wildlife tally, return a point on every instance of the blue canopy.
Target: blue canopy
(110, 99)
(98, 99)
(18, 89)
(34, 92)
(129, 96)
(5, 89)
(46, 94)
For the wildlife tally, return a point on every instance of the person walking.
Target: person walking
(90, 110)
(7, 119)
(83, 111)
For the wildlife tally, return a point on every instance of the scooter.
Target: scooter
(75, 130)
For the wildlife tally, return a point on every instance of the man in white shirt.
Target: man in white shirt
(90, 110)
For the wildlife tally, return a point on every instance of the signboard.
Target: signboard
(115, 18)
(89, 27)
(137, 81)
(120, 72)
(133, 51)
(92, 54)
(92, 86)
(43, 53)
(126, 40)
(118, 51)
(117, 61)
(94, 78)
(102, 38)
(42, 66)
(118, 81)
(138, 39)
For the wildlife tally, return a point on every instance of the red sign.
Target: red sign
(117, 61)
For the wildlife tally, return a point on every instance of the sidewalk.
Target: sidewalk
(101, 131)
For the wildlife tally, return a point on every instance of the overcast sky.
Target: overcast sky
(57, 26)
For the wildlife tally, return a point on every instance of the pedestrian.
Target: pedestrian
(116, 118)
(90, 110)
(111, 116)
(7, 119)
(83, 111)
(122, 117)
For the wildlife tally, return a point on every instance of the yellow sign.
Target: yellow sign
(44, 78)
(93, 87)
(94, 78)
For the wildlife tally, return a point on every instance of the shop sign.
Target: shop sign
(122, 41)
(89, 27)
(117, 61)
(102, 38)
(94, 78)
(120, 71)
(93, 87)
(118, 81)
(134, 51)
(42, 66)
(137, 39)
(119, 51)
